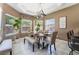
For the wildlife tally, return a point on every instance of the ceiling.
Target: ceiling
(34, 8)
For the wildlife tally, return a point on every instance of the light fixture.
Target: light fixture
(41, 13)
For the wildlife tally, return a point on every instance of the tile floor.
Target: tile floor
(19, 48)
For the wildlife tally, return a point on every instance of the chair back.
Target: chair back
(69, 34)
(69, 37)
(72, 33)
(53, 38)
(73, 42)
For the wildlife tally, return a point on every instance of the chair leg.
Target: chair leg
(50, 50)
(54, 46)
(24, 40)
(38, 45)
(10, 52)
(43, 45)
(33, 47)
(71, 52)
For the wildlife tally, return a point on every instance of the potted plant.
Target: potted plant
(38, 27)
(17, 24)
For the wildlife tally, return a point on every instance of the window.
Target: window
(9, 20)
(26, 25)
(9, 24)
(38, 26)
(12, 24)
(50, 25)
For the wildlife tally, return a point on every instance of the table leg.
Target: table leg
(10, 52)
(38, 45)
(33, 47)
(43, 45)
(50, 50)
(24, 40)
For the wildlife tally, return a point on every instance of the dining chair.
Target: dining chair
(52, 41)
(6, 45)
(37, 38)
(72, 32)
(73, 43)
(33, 39)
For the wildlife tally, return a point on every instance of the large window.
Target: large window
(50, 25)
(9, 24)
(9, 19)
(38, 26)
(26, 25)
(12, 24)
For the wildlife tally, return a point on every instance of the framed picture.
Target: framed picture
(62, 22)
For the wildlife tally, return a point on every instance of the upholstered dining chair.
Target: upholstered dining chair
(73, 35)
(52, 41)
(6, 45)
(73, 43)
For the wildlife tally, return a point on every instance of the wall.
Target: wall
(10, 10)
(72, 14)
(1, 23)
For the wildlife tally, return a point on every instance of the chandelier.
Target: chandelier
(41, 13)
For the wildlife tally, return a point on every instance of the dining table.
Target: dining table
(42, 38)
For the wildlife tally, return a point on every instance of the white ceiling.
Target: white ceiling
(34, 8)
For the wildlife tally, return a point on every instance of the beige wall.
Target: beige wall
(72, 14)
(10, 10)
(1, 22)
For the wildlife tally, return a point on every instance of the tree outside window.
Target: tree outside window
(13, 24)
(38, 25)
